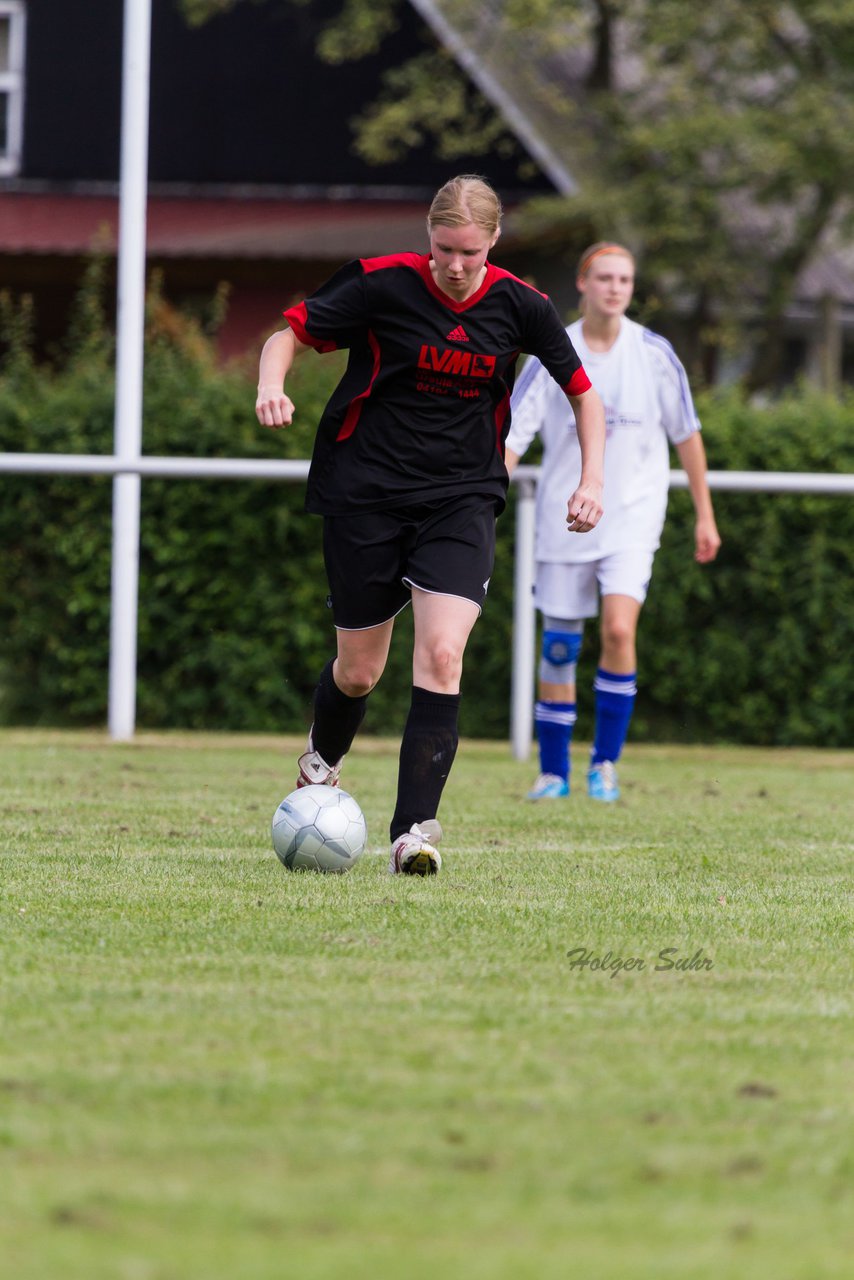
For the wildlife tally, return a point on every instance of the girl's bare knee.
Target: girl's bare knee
(357, 680)
(444, 664)
(618, 636)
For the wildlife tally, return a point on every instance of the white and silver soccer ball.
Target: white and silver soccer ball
(319, 828)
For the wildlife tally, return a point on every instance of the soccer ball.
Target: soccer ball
(319, 828)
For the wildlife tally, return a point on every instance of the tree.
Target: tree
(717, 141)
(736, 131)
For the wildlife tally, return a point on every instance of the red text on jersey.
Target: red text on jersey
(470, 364)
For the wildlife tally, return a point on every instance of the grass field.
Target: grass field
(212, 1067)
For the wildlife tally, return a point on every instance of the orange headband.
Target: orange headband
(597, 253)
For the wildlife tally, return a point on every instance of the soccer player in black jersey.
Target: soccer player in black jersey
(408, 473)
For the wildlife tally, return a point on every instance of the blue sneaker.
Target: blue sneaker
(602, 782)
(548, 787)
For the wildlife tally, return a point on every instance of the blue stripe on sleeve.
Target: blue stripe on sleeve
(661, 344)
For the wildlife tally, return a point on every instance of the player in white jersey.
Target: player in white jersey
(648, 407)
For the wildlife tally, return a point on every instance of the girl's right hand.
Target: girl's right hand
(273, 408)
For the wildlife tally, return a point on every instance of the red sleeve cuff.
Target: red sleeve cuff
(578, 384)
(297, 317)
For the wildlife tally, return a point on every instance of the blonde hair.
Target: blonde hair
(597, 250)
(466, 199)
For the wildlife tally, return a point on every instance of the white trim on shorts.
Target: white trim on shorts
(450, 595)
(374, 625)
(407, 582)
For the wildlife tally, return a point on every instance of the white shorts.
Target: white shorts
(573, 590)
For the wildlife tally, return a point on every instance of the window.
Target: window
(12, 20)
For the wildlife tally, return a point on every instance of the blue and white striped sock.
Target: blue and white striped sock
(615, 702)
(554, 721)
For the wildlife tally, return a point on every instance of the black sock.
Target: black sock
(336, 717)
(426, 755)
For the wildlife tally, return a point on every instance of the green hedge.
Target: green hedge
(758, 646)
(233, 626)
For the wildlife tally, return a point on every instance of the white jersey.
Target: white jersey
(648, 406)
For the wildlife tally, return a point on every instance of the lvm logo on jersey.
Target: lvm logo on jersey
(468, 364)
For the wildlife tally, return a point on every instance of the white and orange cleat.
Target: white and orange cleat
(415, 853)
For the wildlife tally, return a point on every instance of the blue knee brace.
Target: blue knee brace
(559, 656)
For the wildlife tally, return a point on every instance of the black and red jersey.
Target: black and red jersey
(422, 410)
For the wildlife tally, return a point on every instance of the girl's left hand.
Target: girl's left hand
(584, 509)
(707, 541)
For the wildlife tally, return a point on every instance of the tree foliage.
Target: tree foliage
(735, 130)
(717, 140)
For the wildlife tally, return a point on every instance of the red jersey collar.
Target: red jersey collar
(445, 298)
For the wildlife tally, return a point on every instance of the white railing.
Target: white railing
(123, 684)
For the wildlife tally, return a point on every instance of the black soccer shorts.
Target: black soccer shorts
(374, 558)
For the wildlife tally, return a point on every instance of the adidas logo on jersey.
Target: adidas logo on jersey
(457, 335)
